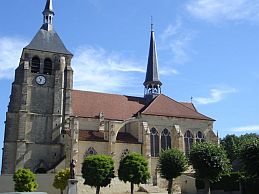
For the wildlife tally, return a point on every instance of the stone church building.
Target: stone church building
(48, 122)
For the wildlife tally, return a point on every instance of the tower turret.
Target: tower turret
(152, 83)
(48, 15)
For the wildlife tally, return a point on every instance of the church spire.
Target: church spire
(152, 83)
(48, 15)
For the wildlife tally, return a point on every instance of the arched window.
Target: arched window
(90, 151)
(35, 65)
(165, 140)
(47, 66)
(154, 142)
(200, 137)
(188, 141)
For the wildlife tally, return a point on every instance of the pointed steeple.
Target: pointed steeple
(48, 15)
(152, 83)
(47, 39)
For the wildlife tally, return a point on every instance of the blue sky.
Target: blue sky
(207, 49)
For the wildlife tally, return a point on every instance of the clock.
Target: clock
(40, 79)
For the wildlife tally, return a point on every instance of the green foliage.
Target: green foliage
(98, 170)
(61, 179)
(209, 160)
(234, 144)
(134, 169)
(228, 182)
(231, 144)
(25, 181)
(172, 163)
(249, 156)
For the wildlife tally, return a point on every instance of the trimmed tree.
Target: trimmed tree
(171, 164)
(25, 180)
(210, 162)
(61, 179)
(134, 169)
(98, 170)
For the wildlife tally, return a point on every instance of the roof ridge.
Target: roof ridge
(149, 104)
(147, 109)
(106, 93)
(188, 108)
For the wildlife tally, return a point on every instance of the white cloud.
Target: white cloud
(10, 53)
(248, 128)
(171, 30)
(97, 70)
(94, 68)
(216, 95)
(176, 39)
(168, 72)
(232, 10)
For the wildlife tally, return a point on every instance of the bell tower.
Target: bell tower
(40, 102)
(152, 83)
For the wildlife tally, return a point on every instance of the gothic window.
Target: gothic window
(90, 151)
(47, 66)
(165, 140)
(200, 137)
(154, 142)
(188, 141)
(35, 65)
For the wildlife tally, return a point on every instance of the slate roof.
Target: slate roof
(152, 65)
(118, 107)
(48, 41)
(48, 6)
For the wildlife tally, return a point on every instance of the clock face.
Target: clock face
(41, 80)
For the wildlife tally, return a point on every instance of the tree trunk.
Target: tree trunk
(207, 186)
(61, 191)
(97, 189)
(170, 186)
(131, 187)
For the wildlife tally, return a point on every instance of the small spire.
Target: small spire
(49, 6)
(48, 15)
(152, 83)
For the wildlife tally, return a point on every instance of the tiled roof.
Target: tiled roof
(126, 138)
(115, 107)
(165, 106)
(189, 105)
(89, 135)
(118, 107)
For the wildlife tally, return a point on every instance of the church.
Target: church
(49, 123)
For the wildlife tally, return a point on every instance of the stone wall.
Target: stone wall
(44, 181)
